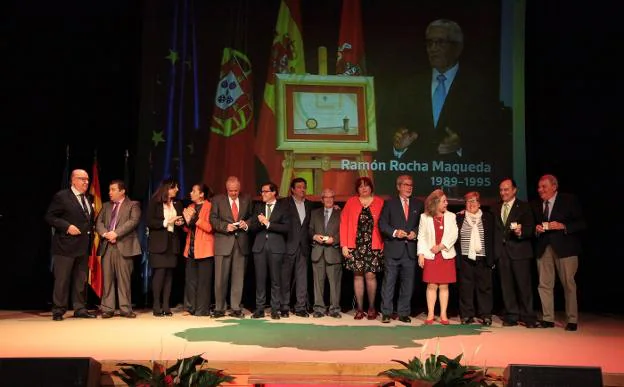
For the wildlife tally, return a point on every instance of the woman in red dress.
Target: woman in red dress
(437, 234)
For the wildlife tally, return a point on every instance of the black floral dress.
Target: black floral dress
(365, 259)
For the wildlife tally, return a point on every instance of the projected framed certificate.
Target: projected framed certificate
(325, 113)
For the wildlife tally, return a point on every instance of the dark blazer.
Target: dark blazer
(128, 218)
(158, 234)
(275, 235)
(331, 253)
(392, 218)
(488, 230)
(517, 247)
(221, 216)
(65, 210)
(566, 210)
(298, 235)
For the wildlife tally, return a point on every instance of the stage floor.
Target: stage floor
(598, 342)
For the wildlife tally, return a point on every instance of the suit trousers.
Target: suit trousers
(198, 285)
(116, 269)
(517, 289)
(235, 263)
(402, 268)
(333, 273)
(263, 261)
(297, 263)
(69, 272)
(566, 267)
(475, 280)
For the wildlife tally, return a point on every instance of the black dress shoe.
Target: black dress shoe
(508, 323)
(284, 313)
(335, 315)
(108, 314)
(318, 314)
(302, 313)
(127, 315)
(487, 321)
(258, 314)
(218, 314)
(385, 318)
(167, 313)
(83, 313)
(237, 314)
(532, 325)
(405, 319)
(275, 315)
(158, 313)
(467, 320)
(572, 327)
(57, 317)
(547, 324)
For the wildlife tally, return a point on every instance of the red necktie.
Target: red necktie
(405, 208)
(113, 222)
(234, 210)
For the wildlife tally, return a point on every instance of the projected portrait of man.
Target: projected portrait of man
(448, 113)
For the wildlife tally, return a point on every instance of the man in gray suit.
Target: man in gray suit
(326, 256)
(229, 217)
(116, 224)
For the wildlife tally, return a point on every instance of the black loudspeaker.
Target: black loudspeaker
(50, 372)
(524, 375)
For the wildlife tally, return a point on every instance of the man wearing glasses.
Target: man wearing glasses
(270, 222)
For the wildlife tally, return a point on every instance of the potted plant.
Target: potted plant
(190, 371)
(438, 371)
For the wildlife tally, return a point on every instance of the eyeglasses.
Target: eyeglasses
(265, 191)
(438, 42)
(82, 178)
(472, 201)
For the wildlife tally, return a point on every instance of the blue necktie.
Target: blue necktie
(438, 98)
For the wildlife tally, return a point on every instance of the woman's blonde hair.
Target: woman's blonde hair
(432, 201)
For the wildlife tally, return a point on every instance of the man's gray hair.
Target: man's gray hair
(454, 30)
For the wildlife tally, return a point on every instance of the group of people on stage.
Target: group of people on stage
(367, 236)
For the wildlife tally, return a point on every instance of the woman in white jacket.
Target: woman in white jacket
(437, 234)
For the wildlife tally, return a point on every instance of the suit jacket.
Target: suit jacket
(566, 210)
(298, 235)
(204, 241)
(63, 211)
(158, 235)
(392, 218)
(128, 218)
(332, 253)
(221, 216)
(517, 247)
(275, 235)
(488, 230)
(427, 239)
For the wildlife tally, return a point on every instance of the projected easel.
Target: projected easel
(322, 120)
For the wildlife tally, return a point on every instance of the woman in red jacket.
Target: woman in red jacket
(199, 252)
(361, 243)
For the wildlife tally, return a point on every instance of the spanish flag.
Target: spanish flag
(95, 264)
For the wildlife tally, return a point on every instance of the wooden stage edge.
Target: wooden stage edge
(265, 373)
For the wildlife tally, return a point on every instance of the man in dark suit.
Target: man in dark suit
(71, 215)
(442, 114)
(559, 219)
(513, 229)
(324, 229)
(229, 217)
(270, 221)
(398, 223)
(297, 249)
(116, 224)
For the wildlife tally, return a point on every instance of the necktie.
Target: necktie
(439, 95)
(505, 212)
(85, 206)
(326, 218)
(268, 214)
(113, 222)
(234, 210)
(546, 214)
(405, 208)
